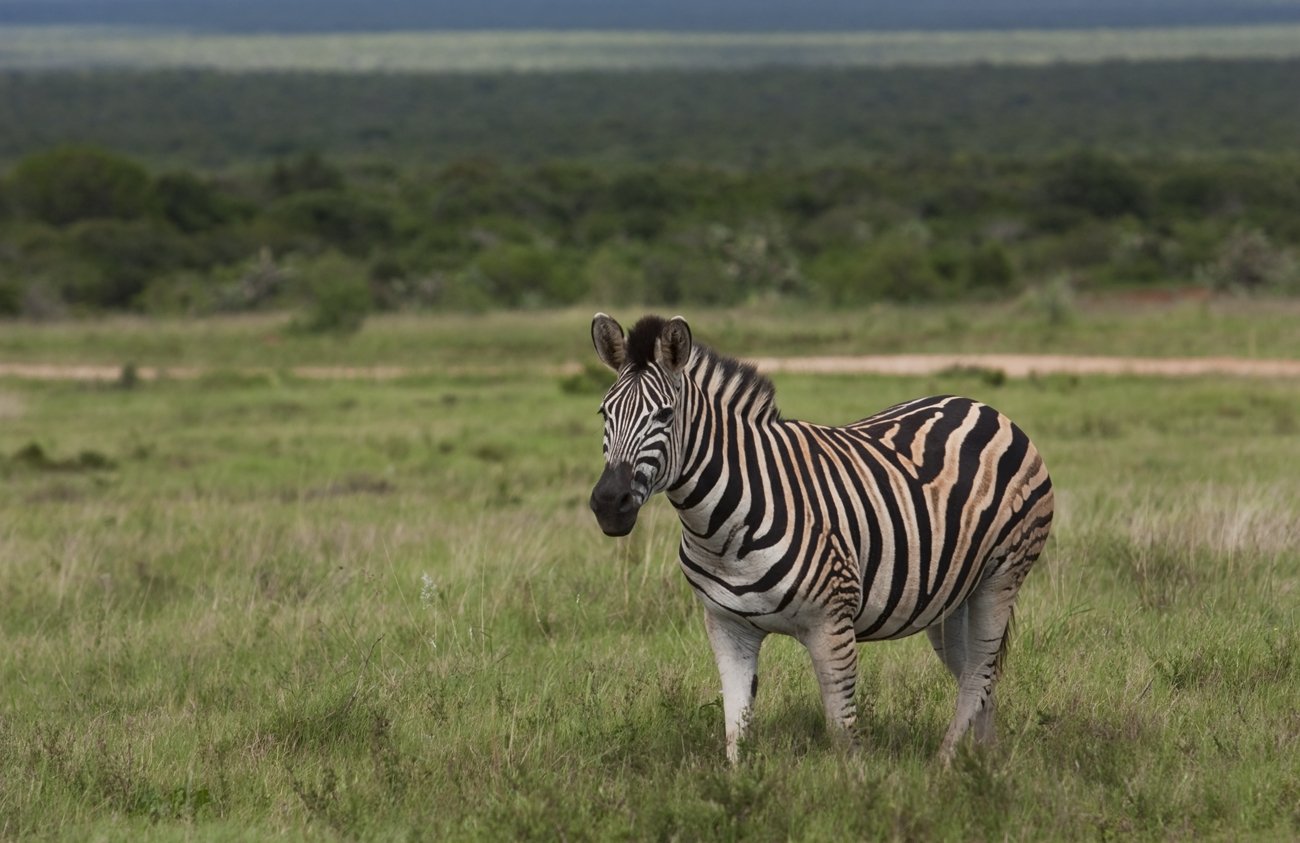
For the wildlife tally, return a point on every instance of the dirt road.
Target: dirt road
(1025, 365)
(1012, 365)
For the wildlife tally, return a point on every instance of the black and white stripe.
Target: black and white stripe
(925, 516)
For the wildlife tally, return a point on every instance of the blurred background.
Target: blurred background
(346, 157)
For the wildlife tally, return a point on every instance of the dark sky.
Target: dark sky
(689, 15)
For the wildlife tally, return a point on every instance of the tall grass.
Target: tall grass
(381, 611)
(499, 343)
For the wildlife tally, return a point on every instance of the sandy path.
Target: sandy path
(1026, 365)
(1012, 365)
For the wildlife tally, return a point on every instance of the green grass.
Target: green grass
(538, 51)
(250, 606)
(500, 342)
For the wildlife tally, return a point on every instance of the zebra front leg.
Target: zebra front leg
(735, 648)
(834, 651)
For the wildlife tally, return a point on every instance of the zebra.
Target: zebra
(924, 516)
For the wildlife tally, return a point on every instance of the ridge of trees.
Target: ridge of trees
(84, 229)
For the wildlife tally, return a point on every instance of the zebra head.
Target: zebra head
(640, 413)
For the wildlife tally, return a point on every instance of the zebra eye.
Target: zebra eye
(664, 416)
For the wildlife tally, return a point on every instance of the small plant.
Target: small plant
(1055, 300)
(129, 377)
(589, 380)
(339, 303)
(1248, 261)
(35, 458)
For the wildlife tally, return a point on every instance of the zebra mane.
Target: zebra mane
(714, 372)
(717, 373)
(641, 340)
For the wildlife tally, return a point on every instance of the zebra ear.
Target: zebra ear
(607, 336)
(674, 347)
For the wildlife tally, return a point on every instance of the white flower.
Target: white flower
(428, 589)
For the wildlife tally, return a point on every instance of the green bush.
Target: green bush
(338, 297)
(1095, 184)
(1078, 250)
(179, 293)
(72, 183)
(1248, 261)
(989, 269)
(470, 188)
(342, 220)
(1200, 191)
(895, 267)
(126, 255)
(478, 234)
(192, 204)
(527, 275)
(307, 172)
(614, 274)
(254, 283)
(11, 295)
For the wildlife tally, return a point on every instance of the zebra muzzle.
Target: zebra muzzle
(613, 502)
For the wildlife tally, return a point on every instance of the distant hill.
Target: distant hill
(681, 15)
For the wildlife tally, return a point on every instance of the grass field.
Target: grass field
(248, 605)
(1038, 322)
(536, 51)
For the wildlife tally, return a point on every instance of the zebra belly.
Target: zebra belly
(877, 623)
(788, 609)
(777, 590)
(731, 588)
(902, 597)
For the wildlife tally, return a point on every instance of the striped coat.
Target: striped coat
(923, 517)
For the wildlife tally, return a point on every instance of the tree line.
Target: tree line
(84, 229)
(749, 119)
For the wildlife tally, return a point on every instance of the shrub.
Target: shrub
(989, 269)
(307, 172)
(756, 258)
(896, 267)
(1054, 300)
(1197, 192)
(1094, 184)
(11, 295)
(337, 219)
(614, 274)
(469, 188)
(126, 256)
(180, 293)
(338, 297)
(191, 204)
(1247, 260)
(72, 183)
(253, 284)
(528, 275)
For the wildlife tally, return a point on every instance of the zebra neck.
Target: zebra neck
(729, 388)
(729, 409)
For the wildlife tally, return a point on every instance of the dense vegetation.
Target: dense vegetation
(90, 230)
(473, 192)
(740, 120)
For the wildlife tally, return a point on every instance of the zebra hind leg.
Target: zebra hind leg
(948, 638)
(988, 622)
